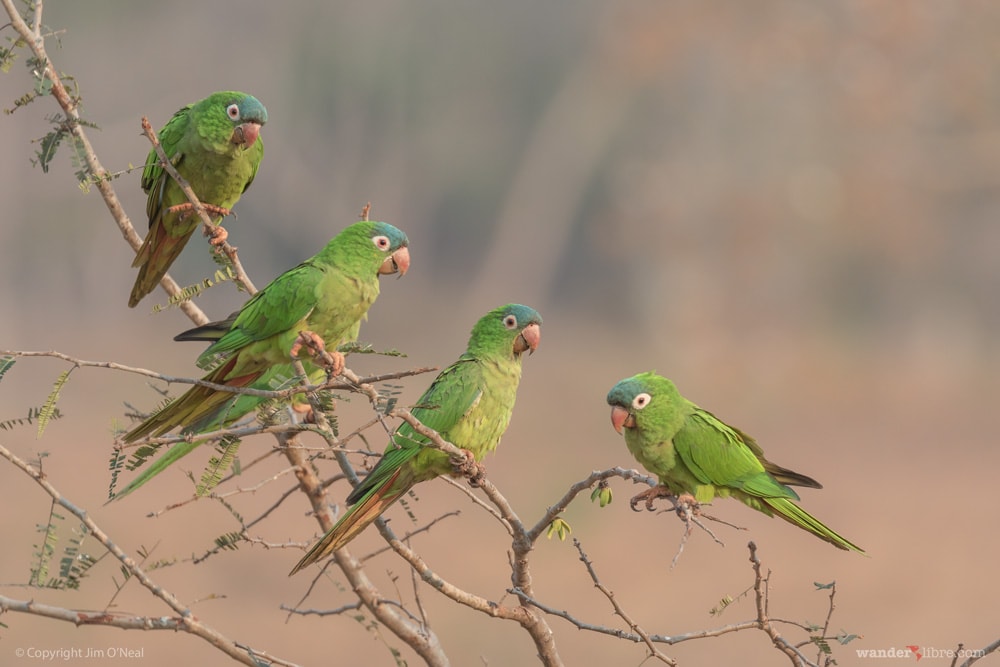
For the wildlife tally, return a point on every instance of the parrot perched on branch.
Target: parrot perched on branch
(319, 304)
(695, 453)
(215, 145)
(469, 404)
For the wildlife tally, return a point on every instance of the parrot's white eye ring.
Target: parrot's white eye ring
(233, 111)
(641, 401)
(510, 321)
(382, 242)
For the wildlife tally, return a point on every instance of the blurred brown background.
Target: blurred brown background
(789, 208)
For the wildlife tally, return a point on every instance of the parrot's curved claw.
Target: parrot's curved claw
(467, 466)
(649, 496)
(332, 361)
(304, 413)
(219, 235)
(687, 507)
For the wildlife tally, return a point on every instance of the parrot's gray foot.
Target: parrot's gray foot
(467, 466)
(649, 496)
(332, 361)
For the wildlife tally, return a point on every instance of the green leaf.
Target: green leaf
(602, 492)
(845, 638)
(47, 149)
(721, 607)
(823, 644)
(115, 466)
(559, 528)
(824, 587)
(6, 362)
(10, 424)
(222, 275)
(229, 541)
(49, 407)
(227, 448)
(43, 555)
(356, 347)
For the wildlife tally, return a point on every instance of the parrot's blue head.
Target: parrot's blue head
(245, 112)
(632, 395)
(249, 109)
(388, 243)
(508, 330)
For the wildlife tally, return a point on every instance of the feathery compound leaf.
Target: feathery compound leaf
(230, 541)
(225, 274)
(721, 607)
(367, 348)
(227, 448)
(33, 413)
(140, 455)
(74, 564)
(49, 407)
(6, 362)
(115, 466)
(43, 556)
(47, 149)
(822, 644)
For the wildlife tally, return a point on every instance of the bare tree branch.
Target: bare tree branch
(99, 175)
(185, 619)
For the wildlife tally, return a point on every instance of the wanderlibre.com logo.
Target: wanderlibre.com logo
(918, 653)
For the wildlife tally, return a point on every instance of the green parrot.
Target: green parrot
(277, 377)
(214, 144)
(695, 453)
(469, 403)
(320, 303)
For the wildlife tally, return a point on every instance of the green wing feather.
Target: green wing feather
(154, 177)
(716, 455)
(720, 456)
(274, 310)
(452, 394)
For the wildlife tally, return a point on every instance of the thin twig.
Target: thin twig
(184, 620)
(619, 611)
(764, 623)
(99, 176)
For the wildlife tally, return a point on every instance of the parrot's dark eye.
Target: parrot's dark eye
(382, 242)
(641, 401)
(233, 111)
(510, 322)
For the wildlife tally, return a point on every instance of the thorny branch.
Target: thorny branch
(529, 613)
(183, 619)
(33, 37)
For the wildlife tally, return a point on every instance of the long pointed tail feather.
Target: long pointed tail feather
(194, 404)
(158, 252)
(795, 515)
(173, 454)
(356, 519)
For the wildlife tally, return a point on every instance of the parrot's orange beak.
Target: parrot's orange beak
(528, 339)
(621, 418)
(397, 262)
(246, 134)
